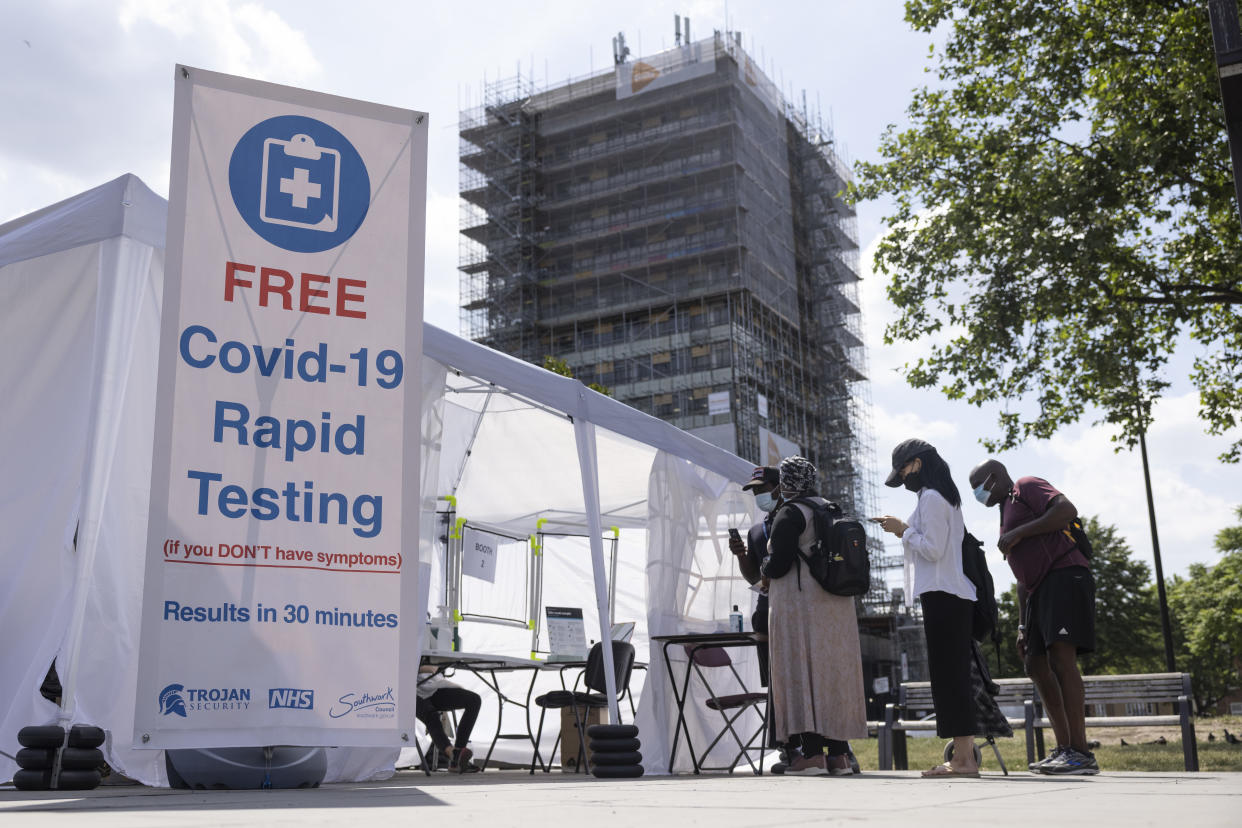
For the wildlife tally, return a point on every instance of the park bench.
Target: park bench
(1143, 689)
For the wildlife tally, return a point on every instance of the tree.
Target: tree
(1064, 213)
(559, 366)
(1127, 618)
(1207, 613)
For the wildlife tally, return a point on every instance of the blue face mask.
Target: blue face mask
(765, 501)
(982, 494)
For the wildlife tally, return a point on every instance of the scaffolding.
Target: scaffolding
(687, 245)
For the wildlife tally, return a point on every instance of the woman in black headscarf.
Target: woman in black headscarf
(816, 661)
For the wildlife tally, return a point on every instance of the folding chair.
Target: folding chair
(594, 677)
(731, 708)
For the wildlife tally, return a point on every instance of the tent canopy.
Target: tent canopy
(508, 441)
(81, 284)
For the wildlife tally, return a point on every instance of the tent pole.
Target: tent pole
(115, 344)
(584, 434)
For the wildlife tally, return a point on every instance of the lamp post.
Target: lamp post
(1165, 627)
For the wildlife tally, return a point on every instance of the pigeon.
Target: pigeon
(1159, 740)
(1093, 744)
(1211, 737)
(1124, 743)
(1231, 739)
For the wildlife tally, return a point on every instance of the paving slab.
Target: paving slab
(514, 798)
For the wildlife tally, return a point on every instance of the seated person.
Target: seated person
(436, 694)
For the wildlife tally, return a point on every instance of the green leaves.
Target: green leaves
(1063, 203)
(1207, 611)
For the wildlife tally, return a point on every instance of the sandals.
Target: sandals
(947, 771)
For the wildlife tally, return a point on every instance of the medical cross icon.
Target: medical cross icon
(300, 187)
(299, 183)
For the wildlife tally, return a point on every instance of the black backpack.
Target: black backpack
(986, 615)
(1079, 536)
(838, 559)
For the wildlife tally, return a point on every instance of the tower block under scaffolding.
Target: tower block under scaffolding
(676, 231)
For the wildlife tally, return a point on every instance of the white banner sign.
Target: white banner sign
(717, 403)
(279, 602)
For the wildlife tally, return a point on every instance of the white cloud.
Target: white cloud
(440, 289)
(241, 38)
(1194, 495)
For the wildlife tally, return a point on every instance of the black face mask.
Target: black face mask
(914, 481)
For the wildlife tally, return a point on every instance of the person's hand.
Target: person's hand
(1007, 541)
(892, 525)
(764, 583)
(737, 546)
(1022, 645)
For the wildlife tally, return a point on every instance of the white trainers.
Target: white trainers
(811, 768)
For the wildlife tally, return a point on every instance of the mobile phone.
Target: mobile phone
(876, 520)
(733, 533)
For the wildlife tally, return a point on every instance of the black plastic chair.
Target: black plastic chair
(731, 707)
(595, 679)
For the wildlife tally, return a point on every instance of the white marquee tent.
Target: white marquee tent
(517, 447)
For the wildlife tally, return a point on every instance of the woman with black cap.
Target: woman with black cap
(932, 541)
(816, 659)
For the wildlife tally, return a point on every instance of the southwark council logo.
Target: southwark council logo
(366, 705)
(178, 700)
(299, 184)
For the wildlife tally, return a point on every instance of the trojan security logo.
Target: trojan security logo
(178, 700)
(172, 702)
(299, 184)
(290, 698)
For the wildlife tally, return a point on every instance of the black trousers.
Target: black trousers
(947, 625)
(759, 623)
(428, 711)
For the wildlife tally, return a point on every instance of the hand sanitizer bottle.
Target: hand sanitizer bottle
(735, 620)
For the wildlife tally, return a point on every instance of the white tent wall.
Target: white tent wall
(79, 299)
(692, 583)
(46, 387)
(101, 664)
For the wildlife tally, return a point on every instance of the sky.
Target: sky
(86, 89)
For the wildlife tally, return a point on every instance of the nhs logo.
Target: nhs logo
(289, 697)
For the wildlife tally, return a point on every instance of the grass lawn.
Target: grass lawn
(1139, 754)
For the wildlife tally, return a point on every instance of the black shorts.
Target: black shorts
(1062, 609)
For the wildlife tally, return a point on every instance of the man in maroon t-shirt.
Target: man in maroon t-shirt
(1056, 603)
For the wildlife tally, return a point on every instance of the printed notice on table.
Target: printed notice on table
(566, 633)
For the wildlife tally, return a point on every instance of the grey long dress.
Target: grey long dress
(816, 659)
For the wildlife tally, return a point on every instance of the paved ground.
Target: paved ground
(512, 798)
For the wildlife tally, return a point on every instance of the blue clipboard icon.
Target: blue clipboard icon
(301, 184)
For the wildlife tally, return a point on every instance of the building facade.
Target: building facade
(676, 231)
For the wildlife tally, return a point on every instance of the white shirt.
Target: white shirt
(933, 548)
(428, 685)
